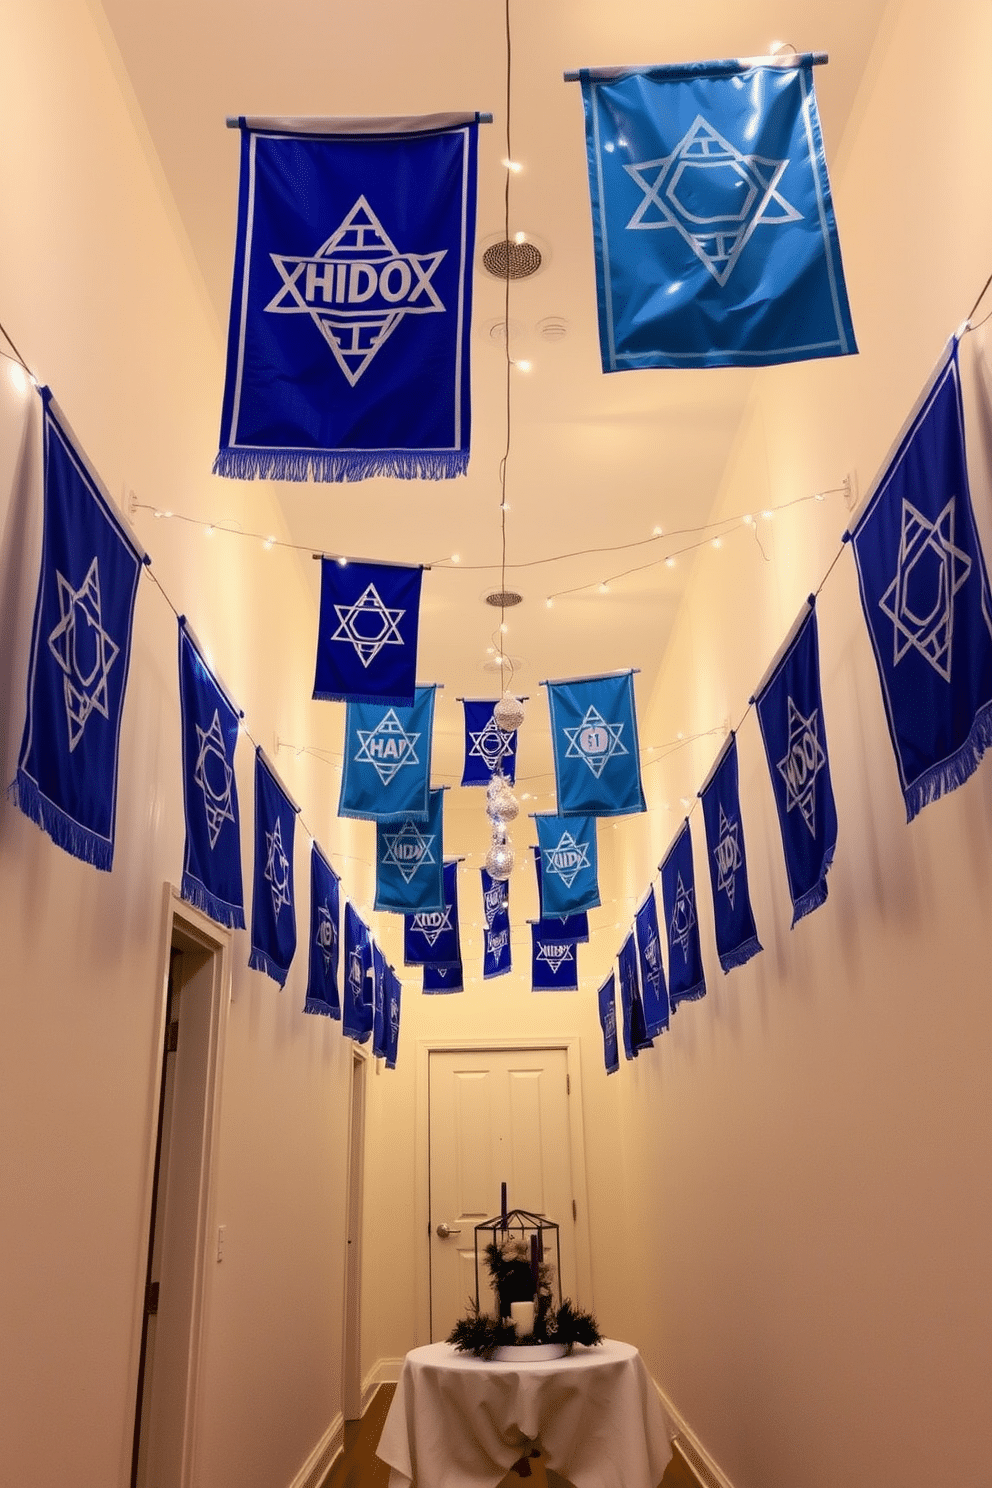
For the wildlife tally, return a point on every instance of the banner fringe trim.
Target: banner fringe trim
(78, 841)
(321, 1008)
(692, 995)
(812, 899)
(950, 773)
(387, 700)
(194, 892)
(260, 961)
(741, 954)
(340, 465)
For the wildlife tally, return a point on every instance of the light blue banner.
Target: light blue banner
(387, 760)
(594, 736)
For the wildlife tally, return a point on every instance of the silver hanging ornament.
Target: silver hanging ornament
(508, 713)
(499, 861)
(504, 808)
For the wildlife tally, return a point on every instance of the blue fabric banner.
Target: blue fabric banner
(387, 760)
(431, 937)
(925, 593)
(389, 1011)
(378, 980)
(348, 348)
(790, 713)
(608, 1023)
(488, 749)
(323, 995)
(736, 935)
(686, 982)
(554, 963)
(594, 735)
(497, 953)
(358, 975)
(273, 903)
(569, 864)
(212, 859)
(635, 1033)
(654, 991)
(409, 862)
(67, 770)
(714, 230)
(441, 979)
(367, 633)
(570, 927)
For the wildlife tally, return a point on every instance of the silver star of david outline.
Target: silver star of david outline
(360, 241)
(324, 938)
(594, 728)
(557, 956)
(368, 639)
(432, 933)
(277, 868)
(490, 744)
(930, 634)
(218, 805)
(356, 975)
(85, 692)
(728, 855)
(565, 846)
(410, 833)
(498, 943)
(718, 239)
(683, 916)
(800, 771)
(390, 730)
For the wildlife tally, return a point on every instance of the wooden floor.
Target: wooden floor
(359, 1467)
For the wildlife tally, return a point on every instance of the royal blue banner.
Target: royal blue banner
(569, 865)
(488, 749)
(497, 953)
(571, 927)
(925, 593)
(441, 979)
(554, 962)
(348, 348)
(273, 904)
(431, 937)
(686, 982)
(323, 995)
(212, 859)
(358, 977)
(387, 760)
(67, 770)
(608, 1023)
(790, 713)
(713, 225)
(389, 1012)
(635, 1033)
(594, 736)
(736, 935)
(367, 633)
(409, 862)
(654, 990)
(378, 1002)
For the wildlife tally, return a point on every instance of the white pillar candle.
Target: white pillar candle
(522, 1317)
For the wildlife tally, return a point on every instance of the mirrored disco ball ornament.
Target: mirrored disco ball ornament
(508, 714)
(499, 861)
(504, 807)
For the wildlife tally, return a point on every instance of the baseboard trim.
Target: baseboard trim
(314, 1471)
(383, 1372)
(709, 1473)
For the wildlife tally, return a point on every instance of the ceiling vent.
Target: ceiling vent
(510, 260)
(504, 599)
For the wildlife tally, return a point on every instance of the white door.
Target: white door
(496, 1116)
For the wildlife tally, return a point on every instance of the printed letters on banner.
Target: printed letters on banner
(348, 348)
(390, 1013)
(608, 1023)
(322, 982)
(686, 982)
(654, 991)
(594, 735)
(925, 593)
(431, 937)
(497, 955)
(570, 927)
(358, 972)
(212, 859)
(714, 230)
(67, 769)
(635, 1033)
(488, 749)
(387, 760)
(569, 865)
(409, 862)
(736, 935)
(273, 905)
(367, 633)
(790, 713)
(441, 979)
(554, 962)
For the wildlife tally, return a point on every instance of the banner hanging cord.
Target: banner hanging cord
(504, 681)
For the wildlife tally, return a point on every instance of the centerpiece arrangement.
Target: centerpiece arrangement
(528, 1324)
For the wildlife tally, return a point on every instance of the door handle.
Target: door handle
(445, 1230)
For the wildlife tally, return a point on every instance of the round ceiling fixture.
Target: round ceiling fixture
(504, 599)
(506, 259)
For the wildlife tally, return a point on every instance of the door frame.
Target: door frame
(351, 1331)
(572, 1045)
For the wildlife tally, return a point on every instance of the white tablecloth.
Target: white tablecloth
(461, 1422)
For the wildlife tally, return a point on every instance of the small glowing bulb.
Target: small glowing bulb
(818, 496)
(17, 376)
(520, 237)
(456, 557)
(669, 562)
(684, 800)
(717, 543)
(209, 531)
(549, 604)
(491, 650)
(522, 366)
(657, 531)
(767, 515)
(167, 514)
(503, 628)
(512, 165)
(680, 735)
(504, 506)
(342, 563)
(748, 520)
(267, 544)
(604, 588)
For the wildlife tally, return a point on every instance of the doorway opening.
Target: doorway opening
(352, 1363)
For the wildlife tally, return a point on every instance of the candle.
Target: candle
(540, 1245)
(533, 1260)
(502, 1204)
(522, 1317)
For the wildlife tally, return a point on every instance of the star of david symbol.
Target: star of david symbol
(387, 747)
(408, 849)
(920, 600)
(277, 869)
(713, 195)
(595, 741)
(84, 651)
(567, 859)
(357, 288)
(215, 778)
(368, 625)
(432, 924)
(325, 937)
(555, 956)
(683, 916)
(802, 762)
(728, 855)
(490, 744)
(356, 974)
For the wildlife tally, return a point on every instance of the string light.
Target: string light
(513, 166)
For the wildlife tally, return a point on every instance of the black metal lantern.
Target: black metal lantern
(530, 1258)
